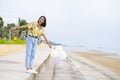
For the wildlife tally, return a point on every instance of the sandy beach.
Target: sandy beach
(105, 60)
(8, 49)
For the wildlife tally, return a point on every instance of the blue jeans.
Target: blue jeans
(31, 43)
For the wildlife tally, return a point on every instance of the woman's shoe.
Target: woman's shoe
(31, 72)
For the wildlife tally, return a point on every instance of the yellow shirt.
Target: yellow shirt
(33, 30)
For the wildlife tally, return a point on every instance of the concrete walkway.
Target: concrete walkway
(12, 65)
(76, 68)
(73, 68)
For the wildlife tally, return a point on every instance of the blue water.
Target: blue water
(114, 51)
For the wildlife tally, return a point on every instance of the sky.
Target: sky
(71, 22)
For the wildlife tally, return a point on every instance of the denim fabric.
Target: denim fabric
(31, 43)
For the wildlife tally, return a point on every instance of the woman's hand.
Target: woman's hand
(50, 46)
(19, 27)
(13, 28)
(47, 41)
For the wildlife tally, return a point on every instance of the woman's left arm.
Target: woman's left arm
(47, 41)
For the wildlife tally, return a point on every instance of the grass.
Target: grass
(2, 41)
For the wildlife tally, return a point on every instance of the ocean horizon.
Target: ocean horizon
(114, 51)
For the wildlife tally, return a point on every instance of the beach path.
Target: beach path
(73, 68)
(76, 68)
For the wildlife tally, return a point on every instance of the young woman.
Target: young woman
(35, 30)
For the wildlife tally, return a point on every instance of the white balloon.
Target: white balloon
(58, 52)
(53, 53)
(62, 55)
(59, 48)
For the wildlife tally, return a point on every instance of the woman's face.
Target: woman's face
(41, 20)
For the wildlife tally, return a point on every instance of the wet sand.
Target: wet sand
(106, 60)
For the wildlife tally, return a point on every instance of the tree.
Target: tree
(20, 23)
(9, 25)
(3, 32)
(1, 22)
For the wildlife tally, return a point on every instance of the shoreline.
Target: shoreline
(105, 60)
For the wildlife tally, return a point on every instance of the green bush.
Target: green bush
(2, 41)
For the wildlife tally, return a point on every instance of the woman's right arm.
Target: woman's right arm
(19, 27)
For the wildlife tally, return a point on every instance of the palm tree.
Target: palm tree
(1, 22)
(11, 34)
(20, 23)
(1, 27)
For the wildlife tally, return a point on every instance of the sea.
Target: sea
(114, 51)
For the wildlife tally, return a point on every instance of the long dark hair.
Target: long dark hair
(44, 24)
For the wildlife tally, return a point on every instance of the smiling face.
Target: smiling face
(41, 20)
